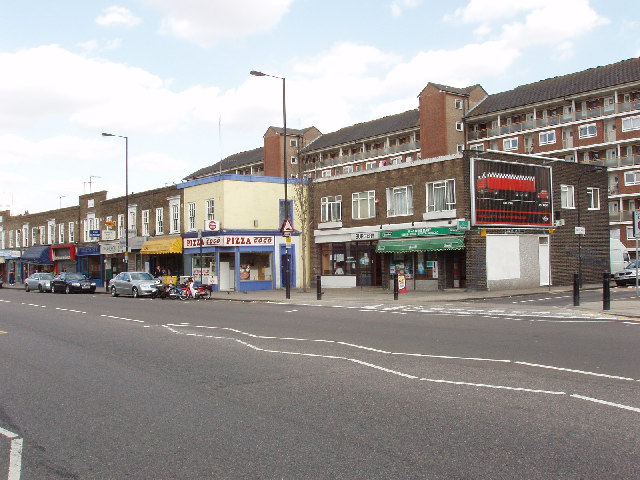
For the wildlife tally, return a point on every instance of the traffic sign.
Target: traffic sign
(636, 224)
(287, 228)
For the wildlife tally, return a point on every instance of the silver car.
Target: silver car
(38, 281)
(135, 284)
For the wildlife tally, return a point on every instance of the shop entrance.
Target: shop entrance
(227, 280)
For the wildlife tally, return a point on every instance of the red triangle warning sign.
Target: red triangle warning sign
(287, 227)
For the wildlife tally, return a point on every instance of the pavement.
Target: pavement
(628, 307)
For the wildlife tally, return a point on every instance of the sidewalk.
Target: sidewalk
(628, 307)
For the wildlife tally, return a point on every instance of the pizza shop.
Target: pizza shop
(235, 262)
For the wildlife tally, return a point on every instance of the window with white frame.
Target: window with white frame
(210, 205)
(89, 224)
(294, 160)
(326, 173)
(191, 207)
(18, 241)
(347, 169)
(395, 161)
(159, 221)
(459, 147)
(72, 232)
(61, 233)
(2, 244)
(25, 235)
(51, 232)
(593, 198)
(132, 221)
(43, 234)
(631, 123)
(293, 142)
(459, 126)
(567, 198)
(632, 178)
(146, 227)
(174, 212)
(629, 230)
(588, 130)
(331, 208)
(34, 235)
(121, 225)
(441, 196)
(400, 201)
(10, 233)
(478, 146)
(458, 103)
(370, 165)
(90, 203)
(546, 138)
(363, 205)
(510, 144)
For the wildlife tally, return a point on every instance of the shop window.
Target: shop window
(205, 265)
(399, 201)
(331, 209)
(255, 267)
(336, 259)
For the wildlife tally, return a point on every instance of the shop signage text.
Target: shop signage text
(228, 241)
(427, 232)
(364, 236)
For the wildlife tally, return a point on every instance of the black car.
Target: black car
(68, 282)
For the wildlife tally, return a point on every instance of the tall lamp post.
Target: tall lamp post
(287, 269)
(126, 197)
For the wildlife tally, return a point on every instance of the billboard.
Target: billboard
(510, 194)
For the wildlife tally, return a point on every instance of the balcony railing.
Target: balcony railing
(625, 216)
(555, 120)
(380, 152)
(627, 161)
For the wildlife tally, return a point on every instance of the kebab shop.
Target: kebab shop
(230, 262)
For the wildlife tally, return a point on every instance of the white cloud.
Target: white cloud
(398, 6)
(117, 16)
(203, 22)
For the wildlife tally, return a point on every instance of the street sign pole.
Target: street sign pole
(200, 242)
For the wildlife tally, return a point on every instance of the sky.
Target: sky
(173, 75)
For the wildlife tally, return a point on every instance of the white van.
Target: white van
(618, 256)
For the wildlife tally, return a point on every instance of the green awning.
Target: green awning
(421, 244)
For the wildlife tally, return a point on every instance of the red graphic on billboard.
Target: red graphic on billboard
(514, 194)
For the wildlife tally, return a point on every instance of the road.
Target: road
(96, 387)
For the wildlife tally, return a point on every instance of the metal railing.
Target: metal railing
(380, 152)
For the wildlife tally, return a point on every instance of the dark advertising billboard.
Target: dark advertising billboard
(513, 194)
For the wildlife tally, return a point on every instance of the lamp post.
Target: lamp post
(126, 197)
(287, 269)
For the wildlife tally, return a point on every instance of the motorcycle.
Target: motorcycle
(201, 292)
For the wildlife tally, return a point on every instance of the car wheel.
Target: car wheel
(40, 289)
(92, 291)
(26, 287)
(134, 292)
(113, 291)
(67, 290)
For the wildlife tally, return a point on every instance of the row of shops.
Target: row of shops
(228, 261)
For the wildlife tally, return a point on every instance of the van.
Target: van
(618, 256)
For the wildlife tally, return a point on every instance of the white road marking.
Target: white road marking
(604, 402)
(122, 318)
(15, 454)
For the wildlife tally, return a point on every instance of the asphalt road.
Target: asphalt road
(95, 387)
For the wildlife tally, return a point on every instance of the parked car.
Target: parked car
(38, 281)
(135, 284)
(70, 282)
(628, 275)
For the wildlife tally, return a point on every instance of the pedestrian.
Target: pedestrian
(12, 277)
(156, 272)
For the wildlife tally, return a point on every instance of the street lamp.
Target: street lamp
(126, 197)
(287, 270)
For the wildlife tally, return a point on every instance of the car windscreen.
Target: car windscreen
(76, 276)
(141, 276)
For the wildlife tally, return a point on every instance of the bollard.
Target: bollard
(318, 288)
(576, 290)
(395, 286)
(606, 291)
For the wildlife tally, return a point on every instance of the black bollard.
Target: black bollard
(318, 288)
(606, 291)
(576, 290)
(395, 286)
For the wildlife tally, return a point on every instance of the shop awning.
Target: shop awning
(157, 246)
(39, 255)
(421, 244)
